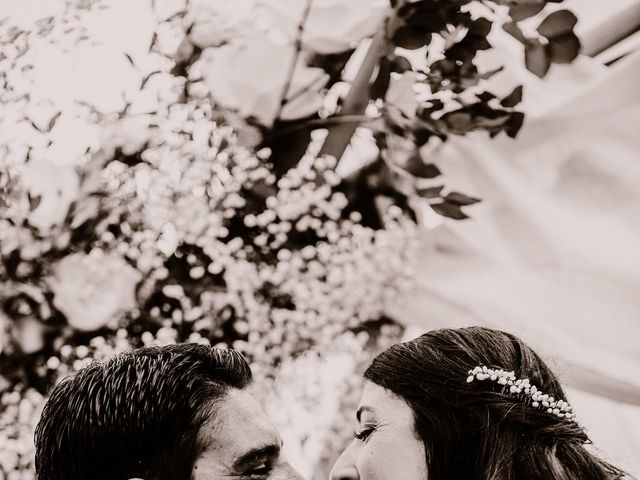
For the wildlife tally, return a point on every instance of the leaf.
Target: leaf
(410, 38)
(130, 59)
(457, 120)
(449, 210)
(490, 73)
(513, 29)
(391, 183)
(514, 124)
(416, 167)
(380, 85)
(485, 96)
(523, 11)
(430, 192)
(537, 58)
(513, 99)
(332, 63)
(565, 48)
(53, 121)
(34, 125)
(11, 262)
(461, 199)
(475, 39)
(480, 27)
(409, 9)
(421, 136)
(444, 67)
(431, 105)
(34, 202)
(287, 148)
(431, 20)
(558, 23)
(400, 64)
(154, 39)
(496, 120)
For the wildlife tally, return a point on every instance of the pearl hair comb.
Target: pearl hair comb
(523, 389)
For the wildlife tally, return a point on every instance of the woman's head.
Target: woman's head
(467, 430)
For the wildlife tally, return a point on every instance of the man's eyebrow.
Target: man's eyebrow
(256, 454)
(363, 409)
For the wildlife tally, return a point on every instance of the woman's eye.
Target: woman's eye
(364, 434)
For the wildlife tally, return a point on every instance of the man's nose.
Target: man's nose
(344, 468)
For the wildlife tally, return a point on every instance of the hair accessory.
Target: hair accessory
(523, 389)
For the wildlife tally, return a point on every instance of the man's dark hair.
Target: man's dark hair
(135, 415)
(476, 431)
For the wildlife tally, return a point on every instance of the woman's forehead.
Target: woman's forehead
(382, 403)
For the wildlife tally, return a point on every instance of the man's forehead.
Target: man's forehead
(238, 435)
(241, 424)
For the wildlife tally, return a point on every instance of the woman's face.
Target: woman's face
(386, 446)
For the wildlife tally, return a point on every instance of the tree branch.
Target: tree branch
(356, 102)
(292, 68)
(324, 122)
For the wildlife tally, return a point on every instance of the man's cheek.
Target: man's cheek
(284, 471)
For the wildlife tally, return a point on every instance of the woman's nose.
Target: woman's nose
(345, 468)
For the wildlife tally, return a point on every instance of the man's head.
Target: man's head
(180, 412)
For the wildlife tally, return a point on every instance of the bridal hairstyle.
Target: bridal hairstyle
(136, 415)
(474, 431)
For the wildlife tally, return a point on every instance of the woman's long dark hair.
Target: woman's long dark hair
(474, 431)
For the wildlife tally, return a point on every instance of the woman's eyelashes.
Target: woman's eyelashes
(364, 433)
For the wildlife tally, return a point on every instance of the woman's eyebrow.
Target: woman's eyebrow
(363, 409)
(251, 456)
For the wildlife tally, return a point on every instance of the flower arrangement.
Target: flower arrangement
(217, 204)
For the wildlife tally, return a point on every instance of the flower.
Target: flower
(213, 22)
(129, 133)
(249, 77)
(28, 332)
(332, 26)
(93, 289)
(52, 188)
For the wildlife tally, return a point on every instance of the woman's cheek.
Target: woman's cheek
(392, 459)
(373, 461)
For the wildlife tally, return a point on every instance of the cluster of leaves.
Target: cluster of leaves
(456, 104)
(557, 42)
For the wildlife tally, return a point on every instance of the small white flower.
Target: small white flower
(29, 334)
(92, 290)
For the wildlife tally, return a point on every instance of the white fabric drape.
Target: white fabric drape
(552, 253)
